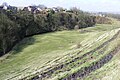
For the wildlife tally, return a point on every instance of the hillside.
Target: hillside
(16, 26)
(109, 71)
(65, 55)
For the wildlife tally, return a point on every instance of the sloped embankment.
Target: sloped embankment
(94, 66)
(84, 71)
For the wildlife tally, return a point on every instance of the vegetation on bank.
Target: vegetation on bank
(16, 26)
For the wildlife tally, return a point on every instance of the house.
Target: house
(55, 9)
(100, 14)
(25, 9)
(64, 10)
(5, 7)
(8, 8)
(29, 8)
(12, 8)
(20, 8)
(39, 9)
(1, 7)
(32, 9)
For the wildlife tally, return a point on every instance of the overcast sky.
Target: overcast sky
(86, 5)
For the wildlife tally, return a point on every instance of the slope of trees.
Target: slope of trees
(14, 27)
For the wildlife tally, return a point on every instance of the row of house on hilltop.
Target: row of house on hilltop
(4, 6)
(42, 9)
(100, 14)
(33, 9)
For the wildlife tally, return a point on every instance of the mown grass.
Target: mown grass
(29, 55)
(96, 56)
(109, 71)
(34, 52)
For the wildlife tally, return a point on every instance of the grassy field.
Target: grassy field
(35, 53)
(110, 71)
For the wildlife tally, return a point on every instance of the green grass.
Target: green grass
(34, 52)
(96, 57)
(109, 71)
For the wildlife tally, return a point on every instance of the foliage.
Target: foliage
(16, 26)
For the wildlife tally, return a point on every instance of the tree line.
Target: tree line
(16, 26)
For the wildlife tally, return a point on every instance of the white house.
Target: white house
(101, 15)
(29, 9)
(20, 8)
(5, 7)
(39, 9)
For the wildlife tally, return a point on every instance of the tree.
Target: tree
(8, 33)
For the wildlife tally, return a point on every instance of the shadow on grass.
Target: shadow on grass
(23, 44)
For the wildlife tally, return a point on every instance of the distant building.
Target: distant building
(5, 7)
(32, 9)
(1, 7)
(29, 8)
(12, 8)
(56, 9)
(20, 8)
(25, 9)
(8, 8)
(39, 9)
